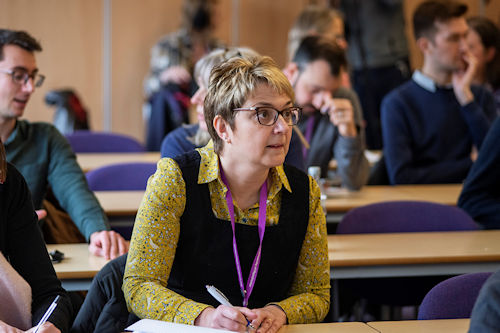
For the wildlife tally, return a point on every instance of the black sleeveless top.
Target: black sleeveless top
(204, 252)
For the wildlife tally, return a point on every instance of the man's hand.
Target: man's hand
(175, 74)
(108, 244)
(269, 319)
(461, 80)
(341, 114)
(225, 317)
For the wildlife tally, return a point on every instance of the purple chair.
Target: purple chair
(392, 217)
(452, 298)
(102, 142)
(405, 216)
(120, 177)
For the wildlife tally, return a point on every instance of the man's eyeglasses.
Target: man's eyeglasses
(268, 116)
(21, 76)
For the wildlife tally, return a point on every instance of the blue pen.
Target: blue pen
(222, 299)
(47, 314)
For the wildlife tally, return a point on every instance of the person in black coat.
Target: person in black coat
(21, 243)
(480, 196)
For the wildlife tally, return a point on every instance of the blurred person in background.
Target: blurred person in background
(170, 83)
(484, 43)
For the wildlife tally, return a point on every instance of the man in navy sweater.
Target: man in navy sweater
(433, 124)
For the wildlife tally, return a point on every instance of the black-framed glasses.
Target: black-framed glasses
(268, 116)
(21, 76)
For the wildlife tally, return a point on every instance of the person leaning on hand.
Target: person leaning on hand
(40, 152)
(230, 210)
(28, 282)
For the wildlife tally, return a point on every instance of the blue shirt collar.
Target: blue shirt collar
(427, 82)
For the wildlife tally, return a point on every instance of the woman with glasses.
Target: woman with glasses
(233, 216)
(189, 137)
(28, 283)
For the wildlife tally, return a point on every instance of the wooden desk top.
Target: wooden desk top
(90, 161)
(78, 262)
(414, 248)
(351, 327)
(116, 203)
(422, 326)
(344, 201)
(120, 203)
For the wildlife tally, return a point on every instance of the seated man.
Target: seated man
(431, 123)
(480, 196)
(40, 152)
(332, 118)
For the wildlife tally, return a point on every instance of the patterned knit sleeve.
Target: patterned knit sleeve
(152, 250)
(309, 299)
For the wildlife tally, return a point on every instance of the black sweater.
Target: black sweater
(22, 245)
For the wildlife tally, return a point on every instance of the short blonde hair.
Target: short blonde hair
(233, 82)
(204, 66)
(312, 20)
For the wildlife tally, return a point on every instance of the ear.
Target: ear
(291, 71)
(222, 128)
(490, 54)
(423, 44)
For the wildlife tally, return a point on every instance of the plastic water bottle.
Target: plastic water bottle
(315, 172)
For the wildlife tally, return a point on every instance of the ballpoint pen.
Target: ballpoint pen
(47, 314)
(222, 299)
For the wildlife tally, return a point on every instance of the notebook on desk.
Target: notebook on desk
(157, 326)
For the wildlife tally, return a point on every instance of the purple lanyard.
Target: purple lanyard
(246, 292)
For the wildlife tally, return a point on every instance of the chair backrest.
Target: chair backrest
(120, 177)
(405, 216)
(452, 298)
(102, 142)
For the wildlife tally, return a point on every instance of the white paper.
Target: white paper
(157, 326)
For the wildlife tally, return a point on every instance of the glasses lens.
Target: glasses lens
(39, 79)
(19, 76)
(295, 115)
(266, 116)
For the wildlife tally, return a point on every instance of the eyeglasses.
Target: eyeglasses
(21, 76)
(268, 116)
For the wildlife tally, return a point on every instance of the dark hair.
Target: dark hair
(489, 34)
(429, 12)
(197, 15)
(314, 48)
(19, 38)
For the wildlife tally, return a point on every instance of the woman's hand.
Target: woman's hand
(47, 327)
(269, 319)
(226, 317)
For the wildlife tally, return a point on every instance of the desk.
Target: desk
(445, 194)
(422, 326)
(78, 267)
(127, 202)
(120, 203)
(411, 254)
(90, 161)
(352, 327)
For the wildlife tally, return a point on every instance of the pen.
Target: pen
(47, 314)
(222, 299)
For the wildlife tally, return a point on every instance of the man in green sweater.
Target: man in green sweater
(41, 153)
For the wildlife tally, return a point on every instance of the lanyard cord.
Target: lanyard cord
(247, 291)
